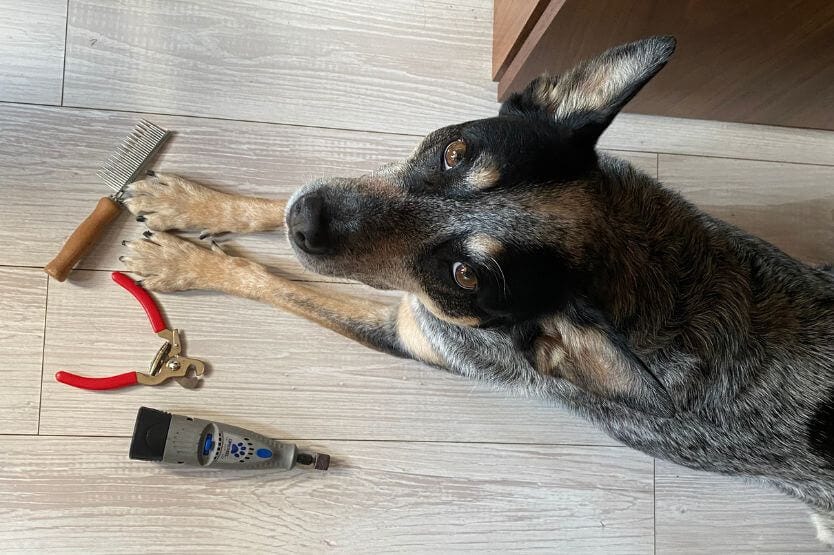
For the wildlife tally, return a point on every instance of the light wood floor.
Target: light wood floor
(265, 95)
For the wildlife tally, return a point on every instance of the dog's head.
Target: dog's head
(485, 216)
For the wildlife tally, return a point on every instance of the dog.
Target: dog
(530, 260)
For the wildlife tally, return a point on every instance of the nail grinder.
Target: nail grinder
(171, 438)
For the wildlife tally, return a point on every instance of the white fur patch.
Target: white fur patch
(825, 527)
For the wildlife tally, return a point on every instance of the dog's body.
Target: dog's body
(529, 260)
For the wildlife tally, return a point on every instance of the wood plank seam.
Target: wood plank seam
(618, 147)
(64, 66)
(43, 352)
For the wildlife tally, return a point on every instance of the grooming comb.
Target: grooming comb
(123, 167)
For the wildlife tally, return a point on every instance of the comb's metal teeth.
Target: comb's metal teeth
(112, 183)
(122, 170)
(132, 154)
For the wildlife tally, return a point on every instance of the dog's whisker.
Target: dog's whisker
(500, 274)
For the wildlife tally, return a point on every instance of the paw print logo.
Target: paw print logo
(242, 451)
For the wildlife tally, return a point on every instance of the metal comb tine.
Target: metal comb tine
(133, 152)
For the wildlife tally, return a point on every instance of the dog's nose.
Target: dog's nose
(307, 224)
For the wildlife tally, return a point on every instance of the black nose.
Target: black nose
(307, 224)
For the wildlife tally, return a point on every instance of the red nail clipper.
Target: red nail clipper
(168, 362)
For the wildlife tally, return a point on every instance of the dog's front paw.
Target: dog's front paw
(169, 263)
(165, 202)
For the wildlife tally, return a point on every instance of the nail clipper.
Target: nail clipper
(169, 361)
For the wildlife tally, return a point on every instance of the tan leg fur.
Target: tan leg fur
(166, 202)
(173, 264)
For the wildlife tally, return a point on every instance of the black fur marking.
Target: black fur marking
(538, 282)
(521, 149)
(821, 429)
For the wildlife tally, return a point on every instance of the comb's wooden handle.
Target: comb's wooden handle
(84, 237)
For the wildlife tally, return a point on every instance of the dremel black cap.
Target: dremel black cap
(149, 434)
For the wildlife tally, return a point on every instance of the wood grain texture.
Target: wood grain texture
(22, 306)
(789, 205)
(751, 61)
(272, 368)
(397, 66)
(512, 20)
(697, 512)
(377, 497)
(32, 50)
(719, 139)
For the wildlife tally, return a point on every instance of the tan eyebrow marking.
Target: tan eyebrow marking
(482, 245)
(484, 173)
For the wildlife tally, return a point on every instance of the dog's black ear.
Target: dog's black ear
(585, 99)
(596, 362)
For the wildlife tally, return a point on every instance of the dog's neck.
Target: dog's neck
(657, 250)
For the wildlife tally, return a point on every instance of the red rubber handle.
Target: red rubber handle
(110, 382)
(144, 298)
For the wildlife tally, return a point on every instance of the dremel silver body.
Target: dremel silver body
(193, 441)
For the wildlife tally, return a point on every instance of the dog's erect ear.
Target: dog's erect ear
(592, 360)
(585, 99)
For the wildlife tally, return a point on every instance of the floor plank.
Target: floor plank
(396, 66)
(790, 205)
(719, 139)
(32, 50)
(275, 368)
(705, 513)
(378, 497)
(22, 298)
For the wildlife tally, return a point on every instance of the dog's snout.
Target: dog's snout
(307, 224)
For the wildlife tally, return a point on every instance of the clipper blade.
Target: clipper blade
(126, 164)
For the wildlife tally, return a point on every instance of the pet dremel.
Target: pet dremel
(171, 438)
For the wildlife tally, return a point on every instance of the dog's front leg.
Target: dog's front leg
(164, 201)
(169, 263)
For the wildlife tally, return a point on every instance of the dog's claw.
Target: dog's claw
(215, 247)
(147, 234)
(140, 218)
(151, 173)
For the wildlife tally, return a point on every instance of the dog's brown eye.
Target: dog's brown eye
(453, 154)
(464, 276)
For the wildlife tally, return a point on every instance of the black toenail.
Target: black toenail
(121, 259)
(140, 218)
(124, 243)
(151, 173)
(147, 233)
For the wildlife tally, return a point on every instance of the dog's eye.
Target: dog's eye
(453, 154)
(464, 276)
